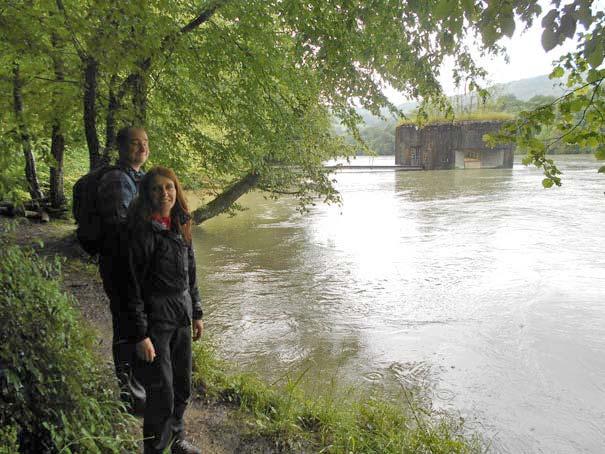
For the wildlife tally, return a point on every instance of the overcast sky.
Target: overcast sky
(527, 58)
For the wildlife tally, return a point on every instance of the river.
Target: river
(479, 287)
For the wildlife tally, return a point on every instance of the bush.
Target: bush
(55, 394)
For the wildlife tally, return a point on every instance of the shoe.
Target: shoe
(184, 447)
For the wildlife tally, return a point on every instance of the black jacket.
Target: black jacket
(117, 189)
(162, 288)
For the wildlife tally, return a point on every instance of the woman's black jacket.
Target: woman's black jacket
(162, 290)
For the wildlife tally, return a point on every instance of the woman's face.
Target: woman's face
(163, 195)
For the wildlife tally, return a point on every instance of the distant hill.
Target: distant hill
(379, 133)
(525, 89)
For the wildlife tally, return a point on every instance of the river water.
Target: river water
(477, 286)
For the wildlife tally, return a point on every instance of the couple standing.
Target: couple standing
(148, 270)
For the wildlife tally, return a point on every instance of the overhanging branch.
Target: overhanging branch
(204, 16)
(145, 63)
(224, 200)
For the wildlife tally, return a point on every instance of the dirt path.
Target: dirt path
(215, 427)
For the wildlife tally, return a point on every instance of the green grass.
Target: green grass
(334, 422)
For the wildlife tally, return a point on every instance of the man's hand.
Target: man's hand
(146, 350)
(198, 329)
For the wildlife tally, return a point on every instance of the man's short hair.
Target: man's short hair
(123, 137)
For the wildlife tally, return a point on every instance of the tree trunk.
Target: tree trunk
(91, 70)
(113, 107)
(223, 201)
(57, 145)
(57, 149)
(139, 93)
(31, 174)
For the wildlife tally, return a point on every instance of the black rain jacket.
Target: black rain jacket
(117, 189)
(162, 289)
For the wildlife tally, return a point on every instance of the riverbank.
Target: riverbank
(234, 413)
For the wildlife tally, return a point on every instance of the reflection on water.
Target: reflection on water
(478, 287)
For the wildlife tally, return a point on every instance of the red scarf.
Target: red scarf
(165, 221)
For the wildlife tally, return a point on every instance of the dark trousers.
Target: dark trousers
(167, 383)
(132, 391)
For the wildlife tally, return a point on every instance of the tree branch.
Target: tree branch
(581, 120)
(145, 64)
(65, 81)
(224, 200)
(204, 16)
(79, 48)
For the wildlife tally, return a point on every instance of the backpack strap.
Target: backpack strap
(131, 178)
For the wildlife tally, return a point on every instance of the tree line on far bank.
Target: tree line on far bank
(239, 94)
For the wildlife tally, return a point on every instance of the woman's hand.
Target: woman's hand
(145, 350)
(198, 329)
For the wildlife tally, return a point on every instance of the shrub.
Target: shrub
(55, 394)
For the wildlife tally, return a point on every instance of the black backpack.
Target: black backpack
(84, 208)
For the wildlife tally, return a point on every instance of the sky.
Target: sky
(527, 58)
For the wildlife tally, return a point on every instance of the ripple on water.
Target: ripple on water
(373, 377)
(444, 395)
(413, 374)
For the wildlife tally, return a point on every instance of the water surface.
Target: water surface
(479, 286)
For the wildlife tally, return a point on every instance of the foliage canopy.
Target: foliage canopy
(239, 94)
(577, 118)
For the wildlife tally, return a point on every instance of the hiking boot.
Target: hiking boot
(184, 447)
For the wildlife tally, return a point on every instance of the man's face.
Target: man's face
(138, 149)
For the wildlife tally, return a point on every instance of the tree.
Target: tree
(37, 68)
(578, 116)
(240, 94)
(31, 174)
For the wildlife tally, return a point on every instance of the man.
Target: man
(117, 189)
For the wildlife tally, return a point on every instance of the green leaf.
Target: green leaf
(469, 7)
(547, 183)
(567, 26)
(549, 39)
(557, 73)
(594, 75)
(577, 104)
(444, 8)
(549, 18)
(583, 14)
(507, 24)
(490, 35)
(595, 58)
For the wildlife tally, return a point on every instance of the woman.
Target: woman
(163, 305)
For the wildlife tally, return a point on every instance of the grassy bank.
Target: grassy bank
(57, 393)
(330, 424)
